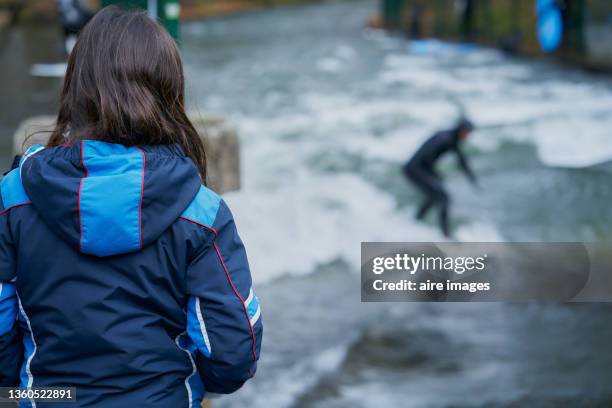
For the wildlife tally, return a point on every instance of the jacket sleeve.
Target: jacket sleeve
(11, 352)
(11, 349)
(223, 313)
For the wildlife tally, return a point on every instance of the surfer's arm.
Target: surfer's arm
(11, 346)
(463, 163)
(223, 313)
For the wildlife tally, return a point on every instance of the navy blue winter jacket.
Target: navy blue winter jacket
(121, 275)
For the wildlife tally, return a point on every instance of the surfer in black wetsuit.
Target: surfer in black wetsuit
(420, 169)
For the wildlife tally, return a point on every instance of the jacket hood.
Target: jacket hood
(107, 199)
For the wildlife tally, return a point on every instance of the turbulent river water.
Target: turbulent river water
(327, 112)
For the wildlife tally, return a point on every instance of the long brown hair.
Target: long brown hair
(125, 84)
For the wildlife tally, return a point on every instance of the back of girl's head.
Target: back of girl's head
(124, 84)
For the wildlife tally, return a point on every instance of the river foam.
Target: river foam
(324, 128)
(569, 120)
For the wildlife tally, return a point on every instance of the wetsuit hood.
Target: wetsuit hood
(463, 124)
(107, 199)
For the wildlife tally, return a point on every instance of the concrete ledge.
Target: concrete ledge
(222, 150)
(220, 138)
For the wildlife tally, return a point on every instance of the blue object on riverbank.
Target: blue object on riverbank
(437, 47)
(549, 25)
(49, 70)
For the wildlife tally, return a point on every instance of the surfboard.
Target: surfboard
(437, 47)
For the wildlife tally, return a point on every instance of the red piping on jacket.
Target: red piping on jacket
(229, 278)
(14, 206)
(239, 297)
(144, 164)
(214, 231)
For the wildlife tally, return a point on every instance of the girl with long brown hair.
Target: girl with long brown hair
(121, 274)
